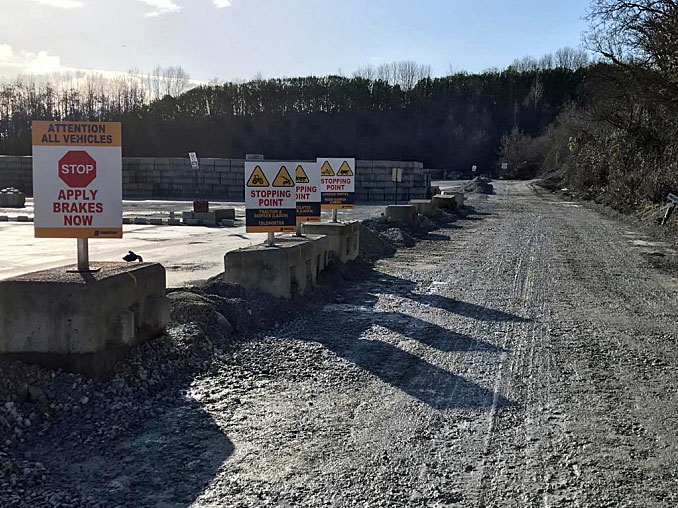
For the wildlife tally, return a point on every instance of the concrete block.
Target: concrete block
(156, 222)
(344, 237)
(459, 198)
(12, 198)
(444, 201)
(174, 222)
(229, 223)
(199, 218)
(127, 220)
(401, 212)
(289, 268)
(4, 218)
(424, 207)
(24, 218)
(224, 213)
(140, 220)
(82, 322)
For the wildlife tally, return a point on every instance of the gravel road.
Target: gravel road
(524, 357)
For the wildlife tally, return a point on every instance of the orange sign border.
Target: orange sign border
(41, 128)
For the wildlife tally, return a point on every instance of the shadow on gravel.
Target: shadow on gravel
(405, 289)
(436, 387)
(414, 328)
(169, 462)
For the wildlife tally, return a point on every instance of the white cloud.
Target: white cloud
(42, 65)
(161, 7)
(222, 3)
(6, 53)
(27, 62)
(61, 4)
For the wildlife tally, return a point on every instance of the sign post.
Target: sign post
(396, 177)
(307, 178)
(77, 182)
(270, 199)
(337, 184)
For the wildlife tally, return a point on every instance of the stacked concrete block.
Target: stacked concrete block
(11, 197)
(16, 172)
(224, 179)
(374, 181)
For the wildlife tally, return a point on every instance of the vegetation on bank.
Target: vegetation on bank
(618, 143)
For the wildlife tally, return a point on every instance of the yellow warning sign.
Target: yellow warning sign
(345, 170)
(257, 178)
(326, 169)
(301, 175)
(283, 178)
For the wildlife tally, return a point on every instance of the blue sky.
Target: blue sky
(240, 38)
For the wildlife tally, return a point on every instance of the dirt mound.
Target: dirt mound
(373, 245)
(479, 185)
(398, 237)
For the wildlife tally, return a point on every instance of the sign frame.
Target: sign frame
(68, 206)
(337, 190)
(308, 193)
(270, 197)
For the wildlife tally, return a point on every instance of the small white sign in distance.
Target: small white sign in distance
(195, 164)
(397, 175)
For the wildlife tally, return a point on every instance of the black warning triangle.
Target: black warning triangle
(345, 170)
(257, 178)
(301, 175)
(326, 169)
(283, 178)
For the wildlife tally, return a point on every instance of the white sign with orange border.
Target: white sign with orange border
(270, 197)
(77, 179)
(337, 182)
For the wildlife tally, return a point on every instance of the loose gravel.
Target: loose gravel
(522, 356)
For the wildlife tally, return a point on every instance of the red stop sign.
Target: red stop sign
(77, 168)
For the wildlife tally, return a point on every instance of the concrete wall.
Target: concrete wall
(223, 179)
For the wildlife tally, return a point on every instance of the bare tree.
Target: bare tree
(571, 58)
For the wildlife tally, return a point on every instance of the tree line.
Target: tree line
(394, 111)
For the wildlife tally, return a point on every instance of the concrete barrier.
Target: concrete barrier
(12, 198)
(199, 218)
(458, 198)
(344, 237)
(444, 201)
(82, 322)
(424, 207)
(401, 212)
(289, 268)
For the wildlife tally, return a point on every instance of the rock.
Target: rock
(224, 324)
(36, 394)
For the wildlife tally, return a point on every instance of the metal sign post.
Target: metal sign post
(83, 255)
(334, 215)
(270, 240)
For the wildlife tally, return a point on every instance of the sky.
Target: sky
(241, 39)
